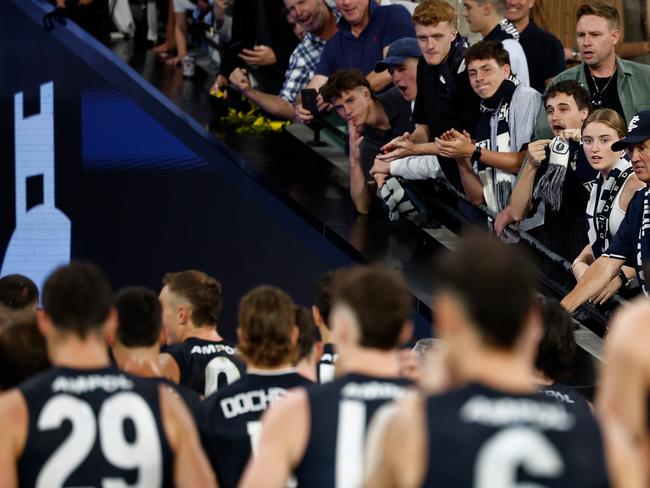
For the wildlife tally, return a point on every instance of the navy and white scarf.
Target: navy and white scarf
(643, 244)
(602, 193)
(497, 184)
(550, 184)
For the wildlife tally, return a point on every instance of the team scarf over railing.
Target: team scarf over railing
(497, 184)
(601, 200)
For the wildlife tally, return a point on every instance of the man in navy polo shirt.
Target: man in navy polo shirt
(365, 32)
(631, 244)
(537, 43)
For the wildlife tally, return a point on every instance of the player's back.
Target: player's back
(205, 366)
(573, 399)
(481, 437)
(93, 428)
(340, 413)
(229, 420)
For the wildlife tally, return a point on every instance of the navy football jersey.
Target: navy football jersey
(206, 366)
(94, 428)
(340, 413)
(325, 369)
(230, 423)
(481, 437)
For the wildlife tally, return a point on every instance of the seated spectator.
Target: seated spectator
(320, 311)
(23, 353)
(230, 419)
(320, 23)
(262, 42)
(612, 82)
(631, 244)
(136, 342)
(556, 355)
(365, 32)
(401, 61)
(444, 99)
(537, 43)
(487, 17)
(372, 122)
(610, 196)
(488, 168)
(309, 347)
(18, 299)
(556, 175)
(197, 356)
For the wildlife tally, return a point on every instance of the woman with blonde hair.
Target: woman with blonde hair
(611, 193)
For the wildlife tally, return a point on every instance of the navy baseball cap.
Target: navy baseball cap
(398, 51)
(638, 131)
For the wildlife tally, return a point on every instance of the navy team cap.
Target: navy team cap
(398, 51)
(638, 131)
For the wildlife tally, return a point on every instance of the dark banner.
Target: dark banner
(95, 164)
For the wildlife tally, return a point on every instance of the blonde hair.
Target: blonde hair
(609, 118)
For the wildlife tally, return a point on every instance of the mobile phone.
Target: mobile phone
(239, 46)
(309, 100)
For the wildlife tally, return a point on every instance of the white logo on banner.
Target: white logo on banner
(41, 240)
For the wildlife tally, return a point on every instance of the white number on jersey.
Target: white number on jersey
(144, 453)
(219, 365)
(505, 452)
(350, 444)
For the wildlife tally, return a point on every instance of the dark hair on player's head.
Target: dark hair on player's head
(569, 87)
(18, 292)
(495, 285)
(343, 80)
(23, 353)
(485, 50)
(557, 349)
(380, 300)
(77, 298)
(323, 297)
(203, 293)
(139, 316)
(18, 299)
(308, 334)
(266, 322)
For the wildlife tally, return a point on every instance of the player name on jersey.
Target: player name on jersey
(213, 349)
(250, 401)
(84, 384)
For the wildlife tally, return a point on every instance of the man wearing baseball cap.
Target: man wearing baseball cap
(401, 61)
(631, 243)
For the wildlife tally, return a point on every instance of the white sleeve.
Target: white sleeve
(416, 167)
(518, 61)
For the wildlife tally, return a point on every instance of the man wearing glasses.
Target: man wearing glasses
(612, 82)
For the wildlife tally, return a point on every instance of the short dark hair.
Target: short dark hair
(569, 87)
(323, 296)
(203, 292)
(17, 292)
(343, 80)
(139, 317)
(493, 282)
(308, 333)
(557, 349)
(77, 298)
(380, 300)
(23, 353)
(484, 50)
(600, 9)
(266, 321)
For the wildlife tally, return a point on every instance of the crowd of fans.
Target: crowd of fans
(140, 388)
